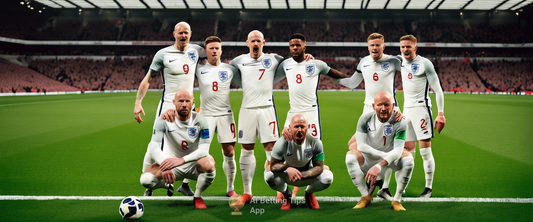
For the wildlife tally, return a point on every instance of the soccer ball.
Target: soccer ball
(131, 208)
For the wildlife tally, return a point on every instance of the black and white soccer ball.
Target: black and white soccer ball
(131, 208)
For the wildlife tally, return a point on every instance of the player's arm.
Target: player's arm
(143, 88)
(236, 76)
(336, 74)
(361, 137)
(318, 162)
(157, 139)
(280, 73)
(353, 81)
(203, 143)
(434, 82)
(277, 161)
(237, 79)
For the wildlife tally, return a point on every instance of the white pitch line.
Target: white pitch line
(269, 199)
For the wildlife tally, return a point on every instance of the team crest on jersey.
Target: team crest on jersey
(240, 134)
(193, 131)
(310, 69)
(223, 76)
(192, 55)
(415, 68)
(308, 153)
(385, 66)
(267, 63)
(388, 131)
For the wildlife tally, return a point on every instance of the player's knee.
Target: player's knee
(326, 178)
(148, 180)
(326, 167)
(269, 178)
(351, 160)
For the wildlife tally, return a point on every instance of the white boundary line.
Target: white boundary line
(270, 199)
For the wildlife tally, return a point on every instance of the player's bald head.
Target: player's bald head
(184, 94)
(383, 96)
(256, 33)
(182, 25)
(298, 119)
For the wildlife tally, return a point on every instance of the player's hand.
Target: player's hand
(399, 116)
(169, 177)
(440, 121)
(170, 163)
(308, 57)
(294, 174)
(137, 111)
(169, 115)
(287, 134)
(372, 175)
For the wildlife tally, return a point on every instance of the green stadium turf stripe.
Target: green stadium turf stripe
(271, 198)
(60, 101)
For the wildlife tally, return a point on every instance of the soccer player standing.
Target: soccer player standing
(178, 65)
(186, 150)
(418, 74)
(214, 79)
(257, 116)
(378, 70)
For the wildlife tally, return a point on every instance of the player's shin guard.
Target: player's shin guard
(429, 165)
(229, 167)
(149, 181)
(403, 176)
(204, 181)
(357, 175)
(324, 181)
(248, 165)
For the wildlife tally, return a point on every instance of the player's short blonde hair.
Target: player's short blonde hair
(211, 39)
(408, 37)
(375, 35)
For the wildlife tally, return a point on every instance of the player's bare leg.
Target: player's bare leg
(229, 167)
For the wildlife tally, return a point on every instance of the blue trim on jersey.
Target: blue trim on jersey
(162, 96)
(426, 96)
(275, 114)
(318, 108)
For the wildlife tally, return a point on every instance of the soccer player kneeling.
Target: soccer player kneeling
(299, 162)
(185, 152)
(380, 141)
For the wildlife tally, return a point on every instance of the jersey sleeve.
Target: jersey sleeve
(279, 149)
(154, 147)
(399, 142)
(236, 75)
(157, 61)
(203, 143)
(278, 57)
(318, 151)
(322, 67)
(280, 73)
(434, 82)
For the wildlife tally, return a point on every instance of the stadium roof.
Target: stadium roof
(486, 5)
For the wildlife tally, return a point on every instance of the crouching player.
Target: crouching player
(185, 152)
(380, 141)
(299, 162)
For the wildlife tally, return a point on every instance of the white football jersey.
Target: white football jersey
(257, 77)
(182, 137)
(381, 136)
(378, 75)
(417, 76)
(214, 82)
(303, 82)
(296, 155)
(178, 68)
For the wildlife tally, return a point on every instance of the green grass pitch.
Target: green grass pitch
(90, 145)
